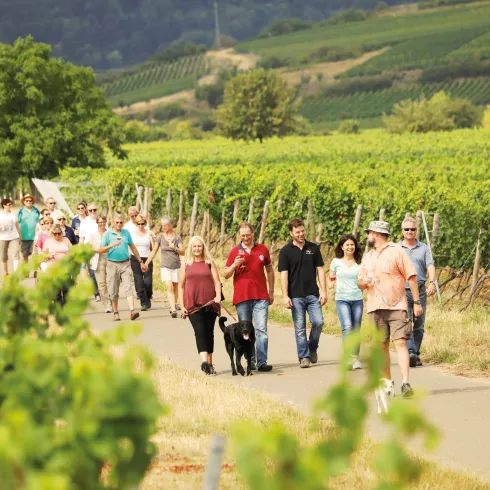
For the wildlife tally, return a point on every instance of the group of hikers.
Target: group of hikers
(393, 274)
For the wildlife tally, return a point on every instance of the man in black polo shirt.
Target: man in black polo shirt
(300, 263)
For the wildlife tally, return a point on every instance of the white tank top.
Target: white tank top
(142, 244)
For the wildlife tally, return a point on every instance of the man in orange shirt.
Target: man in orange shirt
(383, 273)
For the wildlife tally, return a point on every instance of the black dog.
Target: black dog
(239, 337)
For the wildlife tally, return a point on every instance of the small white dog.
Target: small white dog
(385, 394)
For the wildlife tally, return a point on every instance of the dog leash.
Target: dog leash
(229, 312)
(195, 310)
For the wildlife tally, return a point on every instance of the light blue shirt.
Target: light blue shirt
(421, 257)
(120, 253)
(346, 280)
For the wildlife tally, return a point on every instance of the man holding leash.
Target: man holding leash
(28, 218)
(300, 265)
(251, 297)
(384, 272)
(421, 257)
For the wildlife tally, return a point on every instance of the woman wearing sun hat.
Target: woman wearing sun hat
(28, 218)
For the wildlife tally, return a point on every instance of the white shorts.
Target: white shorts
(168, 275)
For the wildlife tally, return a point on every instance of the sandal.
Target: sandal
(173, 314)
(116, 316)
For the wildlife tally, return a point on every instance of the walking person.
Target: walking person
(384, 271)
(28, 218)
(67, 230)
(77, 220)
(89, 226)
(348, 297)
(116, 242)
(171, 246)
(252, 293)
(132, 224)
(200, 297)
(51, 205)
(57, 246)
(301, 266)
(44, 234)
(40, 226)
(421, 256)
(9, 236)
(143, 280)
(98, 262)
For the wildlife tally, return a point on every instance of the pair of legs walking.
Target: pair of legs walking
(307, 347)
(350, 316)
(11, 246)
(257, 312)
(120, 273)
(143, 282)
(203, 324)
(100, 275)
(415, 341)
(170, 277)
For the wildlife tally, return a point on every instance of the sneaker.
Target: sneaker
(419, 362)
(407, 390)
(173, 314)
(144, 308)
(134, 315)
(205, 368)
(108, 309)
(357, 365)
(413, 359)
(97, 298)
(211, 369)
(265, 368)
(313, 357)
(304, 363)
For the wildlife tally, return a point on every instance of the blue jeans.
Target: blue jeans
(350, 316)
(310, 304)
(256, 310)
(414, 343)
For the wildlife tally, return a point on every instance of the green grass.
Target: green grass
(453, 28)
(153, 91)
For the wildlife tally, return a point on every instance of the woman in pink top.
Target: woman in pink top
(57, 247)
(44, 235)
(200, 295)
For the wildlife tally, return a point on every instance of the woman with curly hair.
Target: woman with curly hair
(344, 272)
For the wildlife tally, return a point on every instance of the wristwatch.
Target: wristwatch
(417, 302)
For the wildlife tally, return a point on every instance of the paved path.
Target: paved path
(459, 407)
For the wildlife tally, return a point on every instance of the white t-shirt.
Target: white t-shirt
(87, 227)
(8, 230)
(142, 244)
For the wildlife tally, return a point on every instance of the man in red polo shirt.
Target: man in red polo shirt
(251, 297)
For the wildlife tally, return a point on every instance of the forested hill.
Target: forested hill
(112, 33)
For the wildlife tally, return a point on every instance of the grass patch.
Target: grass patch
(201, 406)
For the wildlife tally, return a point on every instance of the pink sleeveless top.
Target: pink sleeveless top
(199, 285)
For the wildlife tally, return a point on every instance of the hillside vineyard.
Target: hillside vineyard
(447, 173)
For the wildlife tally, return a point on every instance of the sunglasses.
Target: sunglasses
(92, 210)
(61, 219)
(52, 202)
(141, 224)
(118, 222)
(48, 222)
(409, 229)
(27, 200)
(57, 234)
(47, 214)
(133, 215)
(81, 209)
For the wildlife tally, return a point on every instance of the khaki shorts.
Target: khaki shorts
(392, 322)
(26, 247)
(119, 273)
(11, 246)
(169, 275)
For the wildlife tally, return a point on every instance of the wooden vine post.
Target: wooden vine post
(263, 227)
(109, 203)
(476, 266)
(382, 212)
(435, 227)
(310, 221)
(208, 228)
(181, 211)
(357, 221)
(169, 203)
(194, 215)
(149, 204)
(319, 233)
(250, 216)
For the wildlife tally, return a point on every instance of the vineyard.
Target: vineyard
(157, 80)
(373, 104)
(415, 39)
(443, 173)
